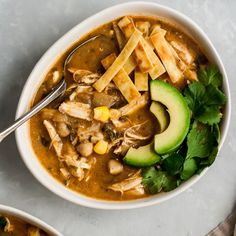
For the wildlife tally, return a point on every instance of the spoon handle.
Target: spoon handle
(56, 92)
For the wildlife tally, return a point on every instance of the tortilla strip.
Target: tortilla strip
(130, 64)
(158, 68)
(141, 57)
(164, 51)
(122, 80)
(157, 28)
(119, 62)
(119, 36)
(141, 80)
(143, 26)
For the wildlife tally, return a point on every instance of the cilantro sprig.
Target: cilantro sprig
(205, 99)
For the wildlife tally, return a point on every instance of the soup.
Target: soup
(140, 114)
(10, 226)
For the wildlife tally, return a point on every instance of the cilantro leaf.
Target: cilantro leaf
(209, 115)
(155, 181)
(173, 163)
(216, 132)
(194, 96)
(214, 96)
(210, 75)
(204, 97)
(199, 141)
(189, 168)
(208, 161)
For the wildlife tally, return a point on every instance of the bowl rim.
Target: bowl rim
(22, 215)
(21, 133)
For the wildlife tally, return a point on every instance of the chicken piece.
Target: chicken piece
(93, 131)
(122, 149)
(76, 109)
(62, 129)
(56, 140)
(135, 105)
(54, 115)
(185, 54)
(115, 167)
(131, 183)
(85, 77)
(137, 191)
(65, 173)
(56, 77)
(69, 155)
(76, 165)
(132, 135)
(79, 171)
(80, 89)
(96, 137)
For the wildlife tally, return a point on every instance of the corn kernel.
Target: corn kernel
(101, 113)
(100, 147)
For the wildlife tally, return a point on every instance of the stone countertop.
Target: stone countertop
(27, 29)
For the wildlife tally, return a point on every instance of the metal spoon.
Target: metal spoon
(58, 90)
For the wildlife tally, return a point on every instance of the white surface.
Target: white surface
(25, 34)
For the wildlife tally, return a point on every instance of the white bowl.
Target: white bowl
(37, 75)
(29, 219)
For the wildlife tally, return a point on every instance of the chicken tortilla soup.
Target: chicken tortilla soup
(141, 113)
(10, 226)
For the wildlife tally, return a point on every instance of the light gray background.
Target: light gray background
(27, 29)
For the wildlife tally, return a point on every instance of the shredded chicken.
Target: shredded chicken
(65, 173)
(183, 51)
(87, 133)
(56, 140)
(56, 76)
(54, 115)
(132, 134)
(76, 109)
(135, 105)
(134, 182)
(85, 77)
(80, 89)
(77, 166)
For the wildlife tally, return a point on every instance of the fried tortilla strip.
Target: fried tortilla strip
(144, 27)
(141, 80)
(130, 65)
(141, 56)
(119, 62)
(164, 51)
(134, 105)
(158, 68)
(119, 36)
(122, 80)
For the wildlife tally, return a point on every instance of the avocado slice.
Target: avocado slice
(174, 135)
(161, 114)
(142, 156)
